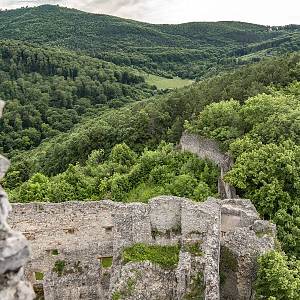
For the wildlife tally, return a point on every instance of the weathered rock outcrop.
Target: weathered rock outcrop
(208, 149)
(14, 251)
(78, 248)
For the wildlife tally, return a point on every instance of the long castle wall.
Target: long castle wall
(70, 241)
(209, 149)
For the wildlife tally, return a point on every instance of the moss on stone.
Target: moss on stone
(197, 288)
(54, 252)
(116, 296)
(261, 234)
(39, 275)
(194, 248)
(106, 262)
(165, 256)
(59, 267)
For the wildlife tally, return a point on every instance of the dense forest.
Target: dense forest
(192, 50)
(49, 90)
(82, 123)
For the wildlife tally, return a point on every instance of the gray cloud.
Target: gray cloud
(271, 12)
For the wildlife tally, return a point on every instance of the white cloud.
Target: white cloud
(271, 12)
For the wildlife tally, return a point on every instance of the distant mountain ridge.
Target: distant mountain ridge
(186, 50)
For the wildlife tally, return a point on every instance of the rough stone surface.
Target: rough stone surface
(14, 251)
(209, 149)
(81, 236)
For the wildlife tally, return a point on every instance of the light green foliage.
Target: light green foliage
(116, 296)
(165, 256)
(127, 177)
(183, 185)
(39, 275)
(278, 278)
(263, 136)
(106, 262)
(220, 121)
(167, 83)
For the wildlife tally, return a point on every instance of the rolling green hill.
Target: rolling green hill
(187, 50)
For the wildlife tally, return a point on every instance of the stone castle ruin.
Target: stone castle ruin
(209, 149)
(77, 248)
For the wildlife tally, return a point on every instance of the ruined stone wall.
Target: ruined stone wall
(73, 244)
(209, 149)
(14, 250)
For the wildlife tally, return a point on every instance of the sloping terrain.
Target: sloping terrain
(191, 50)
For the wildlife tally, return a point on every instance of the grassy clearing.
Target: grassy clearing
(166, 83)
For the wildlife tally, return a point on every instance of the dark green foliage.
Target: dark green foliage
(48, 91)
(187, 50)
(278, 278)
(147, 123)
(55, 252)
(59, 267)
(228, 260)
(125, 176)
(165, 256)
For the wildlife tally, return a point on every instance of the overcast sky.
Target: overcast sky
(267, 12)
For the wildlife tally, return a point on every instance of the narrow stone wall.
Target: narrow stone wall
(208, 149)
(14, 251)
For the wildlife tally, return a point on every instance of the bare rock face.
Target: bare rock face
(14, 251)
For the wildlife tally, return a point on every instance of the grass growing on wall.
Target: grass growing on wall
(165, 256)
(197, 288)
(106, 262)
(39, 275)
(59, 267)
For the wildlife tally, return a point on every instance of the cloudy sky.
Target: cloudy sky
(268, 12)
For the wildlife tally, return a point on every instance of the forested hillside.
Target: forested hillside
(147, 123)
(192, 50)
(49, 90)
(81, 122)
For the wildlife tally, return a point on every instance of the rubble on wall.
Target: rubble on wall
(14, 251)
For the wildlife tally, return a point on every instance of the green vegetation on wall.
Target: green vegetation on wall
(164, 256)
